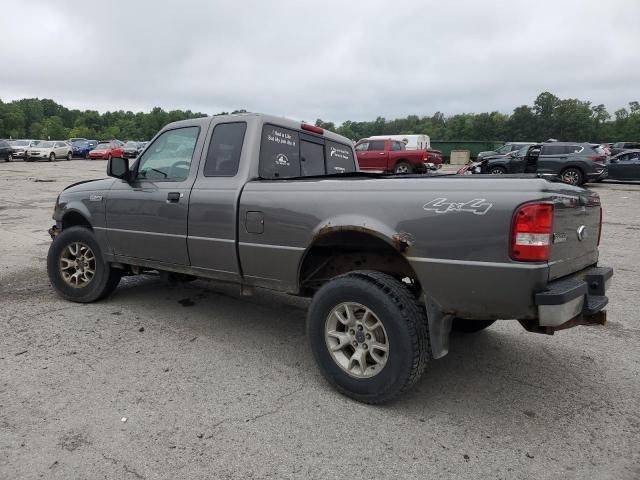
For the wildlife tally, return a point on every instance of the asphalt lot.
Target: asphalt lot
(214, 385)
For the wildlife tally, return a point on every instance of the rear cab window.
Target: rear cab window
(287, 153)
(376, 146)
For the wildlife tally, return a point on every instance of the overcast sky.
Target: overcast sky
(334, 60)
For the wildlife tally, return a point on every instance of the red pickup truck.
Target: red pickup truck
(393, 156)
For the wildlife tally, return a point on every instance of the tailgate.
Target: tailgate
(576, 227)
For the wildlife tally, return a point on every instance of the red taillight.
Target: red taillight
(600, 227)
(597, 158)
(531, 232)
(312, 128)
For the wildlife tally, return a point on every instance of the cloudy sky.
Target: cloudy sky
(334, 60)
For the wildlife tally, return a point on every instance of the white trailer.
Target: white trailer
(413, 142)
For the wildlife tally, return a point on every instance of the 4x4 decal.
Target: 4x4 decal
(477, 206)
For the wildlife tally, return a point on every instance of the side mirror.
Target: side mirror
(118, 167)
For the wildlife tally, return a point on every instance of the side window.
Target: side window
(395, 146)
(552, 150)
(169, 156)
(223, 155)
(311, 158)
(339, 158)
(362, 147)
(279, 153)
(573, 149)
(376, 145)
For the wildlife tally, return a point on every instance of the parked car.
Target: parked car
(19, 148)
(624, 166)
(49, 150)
(392, 156)
(262, 201)
(81, 148)
(131, 149)
(574, 163)
(106, 150)
(620, 147)
(504, 149)
(6, 151)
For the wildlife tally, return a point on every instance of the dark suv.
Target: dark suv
(575, 163)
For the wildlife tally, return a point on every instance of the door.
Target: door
(552, 158)
(147, 216)
(362, 153)
(213, 214)
(377, 157)
(625, 167)
(60, 149)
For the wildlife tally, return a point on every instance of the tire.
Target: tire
(572, 176)
(69, 156)
(104, 280)
(404, 332)
(10, 157)
(403, 168)
(498, 171)
(52, 157)
(470, 326)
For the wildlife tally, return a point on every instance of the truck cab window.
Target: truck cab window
(395, 146)
(376, 145)
(362, 147)
(279, 153)
(168, 159)
(223, 154)
(311, 158)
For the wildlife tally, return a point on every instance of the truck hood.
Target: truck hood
(89, 185)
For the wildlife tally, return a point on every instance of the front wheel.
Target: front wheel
(76, 267)
(52, 157)
(10, 157)
(368, 335)
(572, 176)
(69, 156)
(497, 171)
(403, 168)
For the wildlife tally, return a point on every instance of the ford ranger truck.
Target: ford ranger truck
(392, 264)
(392, 156)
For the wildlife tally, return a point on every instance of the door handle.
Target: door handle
(174, 197)
(381, 153)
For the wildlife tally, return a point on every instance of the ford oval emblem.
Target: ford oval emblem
(582, 232)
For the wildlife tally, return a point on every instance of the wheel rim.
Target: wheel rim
(497, 171)
(356, 340)
(571, 177)
(10, 157)
(52, 157)
(77, 265)
(402, 169)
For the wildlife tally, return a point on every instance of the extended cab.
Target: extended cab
(392, 156)
(392, 263)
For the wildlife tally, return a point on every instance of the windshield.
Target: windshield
(131, 144)
(45, 145)
(523, 151)
(20, 143)
(103, 146)
(504, 149)
(79, 143)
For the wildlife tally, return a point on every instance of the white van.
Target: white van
(412, 142)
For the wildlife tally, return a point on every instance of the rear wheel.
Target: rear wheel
(470, 326)
(369, 335)
(402, 168)
(497, 171)
(572, 176)
(77, 269)
(52, 157)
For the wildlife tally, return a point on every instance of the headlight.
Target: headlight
(476, 170)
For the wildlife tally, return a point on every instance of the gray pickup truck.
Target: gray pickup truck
(393, 264)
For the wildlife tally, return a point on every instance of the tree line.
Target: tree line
(549, 117)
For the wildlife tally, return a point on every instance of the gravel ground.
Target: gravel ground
(194, 381)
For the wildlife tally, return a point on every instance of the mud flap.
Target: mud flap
(439, 328)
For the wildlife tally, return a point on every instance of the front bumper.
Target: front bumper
(598, 175)
(18, 153)
(578, 299)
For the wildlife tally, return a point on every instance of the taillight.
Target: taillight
(312, 128)
(531, 232)
(600, 227)
(597, 158)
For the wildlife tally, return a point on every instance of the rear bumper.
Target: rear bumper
(573, 298)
